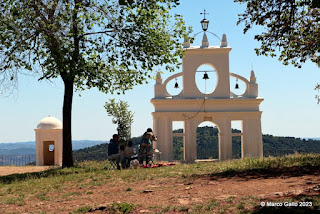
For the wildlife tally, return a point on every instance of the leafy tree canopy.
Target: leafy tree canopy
(88, 43)
(291, 26)
(94, 43)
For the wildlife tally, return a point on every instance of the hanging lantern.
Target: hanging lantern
(176, 84)
(204, 22)
(205, 76)
(237, 85)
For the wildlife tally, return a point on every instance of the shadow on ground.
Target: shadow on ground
(7, 179)
(282, 172)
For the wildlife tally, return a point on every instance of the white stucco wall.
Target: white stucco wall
(220, 107)
(49, 129)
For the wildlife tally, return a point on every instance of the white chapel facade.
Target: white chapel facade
(49, 142)
(222, 106)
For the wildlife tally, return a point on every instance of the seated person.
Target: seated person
(126, 157)
(145, 151)
(129, 151)
(113, 150)
(122, 156)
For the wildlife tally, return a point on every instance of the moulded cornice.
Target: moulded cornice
(211, 49)
(48, 130)
(216, 101)
(215, 115)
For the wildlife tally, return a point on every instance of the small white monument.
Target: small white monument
(220, 107)
(49, 142)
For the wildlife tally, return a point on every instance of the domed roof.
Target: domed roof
(49, 123)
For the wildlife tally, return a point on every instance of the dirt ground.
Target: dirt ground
(225, 188)
(8, 170)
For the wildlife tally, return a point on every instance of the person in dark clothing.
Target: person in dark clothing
(113, 147)
(113, 150)
(145, 148)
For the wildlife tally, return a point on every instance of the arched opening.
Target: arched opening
(178, 139)
(236, 127)
(237, 86)
(48, 153)
(207, 141)
(174, 86)
(206, 79)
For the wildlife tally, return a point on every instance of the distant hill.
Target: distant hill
(29, 147)
(19, 151)
(207, 146)
(97, 152)
(311, 138)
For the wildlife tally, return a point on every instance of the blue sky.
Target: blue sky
(289, 108)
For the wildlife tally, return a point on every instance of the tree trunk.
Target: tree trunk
(67, 159)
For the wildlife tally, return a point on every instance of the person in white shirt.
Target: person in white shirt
(129, 151)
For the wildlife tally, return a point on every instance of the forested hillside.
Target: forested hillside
(207, 146)
(97, 152)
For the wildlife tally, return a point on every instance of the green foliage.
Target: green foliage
(121, 208)
(240, 206)
(292, 26)
(181, 209)
(95, 44)
(97, 153)
(211, 205)
(207, 144)
(82, 210)
(121, 116)
(279, 146)
(317, 96)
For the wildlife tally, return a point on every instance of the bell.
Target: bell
(176, 85)
(205, 76)
(237, 85)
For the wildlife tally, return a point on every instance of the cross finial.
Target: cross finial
(204, 13)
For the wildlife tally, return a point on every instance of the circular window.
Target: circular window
(237, 86)
(174, 86)
(206, 79)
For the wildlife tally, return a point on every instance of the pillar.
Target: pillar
(252, 138)
(167, 140)
(159, 129)
(155, 130)
(190, 144)
(225, 139)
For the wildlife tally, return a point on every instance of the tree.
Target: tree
(317, 96)
(291, 26)
(88, 43)
(122, 117)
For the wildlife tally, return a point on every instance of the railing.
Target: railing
(17, 160)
